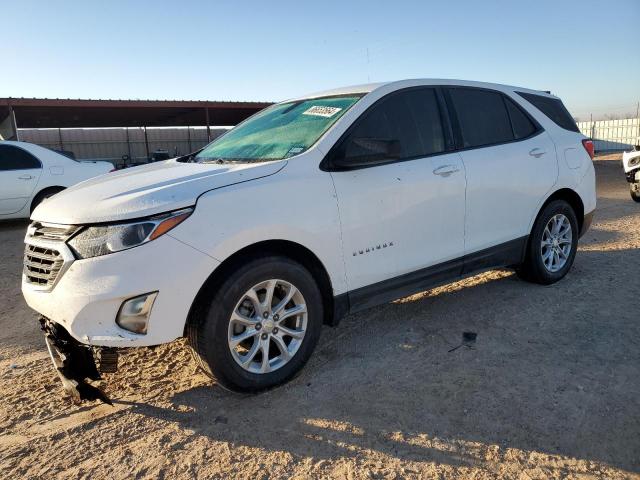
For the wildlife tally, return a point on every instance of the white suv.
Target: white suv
(312, 208)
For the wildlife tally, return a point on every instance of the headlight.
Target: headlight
(634, 161)
(103, 239)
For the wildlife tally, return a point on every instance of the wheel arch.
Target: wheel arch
(287, 248)
(572, 198)
(568, 195)
(43, 191)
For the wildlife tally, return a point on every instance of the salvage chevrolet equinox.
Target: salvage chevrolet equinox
(312, 208)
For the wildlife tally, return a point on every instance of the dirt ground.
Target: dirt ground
(551, 388)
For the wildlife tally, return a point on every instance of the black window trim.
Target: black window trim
(28, 153)
(458, 130)
(448, 119)
(327, 165)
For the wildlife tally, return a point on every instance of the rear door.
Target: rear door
(19, 174)
(510, 163)
(406, 214)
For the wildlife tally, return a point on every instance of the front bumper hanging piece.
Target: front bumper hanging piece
(74, 363)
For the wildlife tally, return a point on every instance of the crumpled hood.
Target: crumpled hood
(145, 190)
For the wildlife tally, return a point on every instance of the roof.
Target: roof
(69, 113)
(398, 84)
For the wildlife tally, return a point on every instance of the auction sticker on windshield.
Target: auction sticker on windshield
(321, 111)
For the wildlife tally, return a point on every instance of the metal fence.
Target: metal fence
(111, 144)
(612, 135)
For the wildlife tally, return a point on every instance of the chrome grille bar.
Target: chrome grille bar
(46, 255)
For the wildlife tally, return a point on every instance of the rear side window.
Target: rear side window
(552, 108)
(14, 158)
(405, 125)
(522, 125)
(482, 116)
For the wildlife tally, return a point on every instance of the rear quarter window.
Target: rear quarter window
(523, 127)
(553, 108)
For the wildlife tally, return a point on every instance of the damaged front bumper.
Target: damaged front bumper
(75, 362)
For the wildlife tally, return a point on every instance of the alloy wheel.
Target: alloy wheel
(267, 326)
(557, 242)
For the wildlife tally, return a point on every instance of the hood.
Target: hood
(145, 190)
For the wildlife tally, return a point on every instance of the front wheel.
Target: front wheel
(261, 325)
(634, 190)
(552, 245)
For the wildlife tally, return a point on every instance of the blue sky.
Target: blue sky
(584, 51)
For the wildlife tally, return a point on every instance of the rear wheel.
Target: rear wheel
(260, 327)
(634, 190)
(552, 245)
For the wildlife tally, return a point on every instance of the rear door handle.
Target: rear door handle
(25, 177)
(445, 170)
(537, 152)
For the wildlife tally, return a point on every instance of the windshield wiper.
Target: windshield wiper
(221, 161)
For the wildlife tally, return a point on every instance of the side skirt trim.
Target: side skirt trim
(504, 255)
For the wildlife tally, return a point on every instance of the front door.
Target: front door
(405, 214)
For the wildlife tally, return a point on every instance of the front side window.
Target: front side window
(280, 131)
(482, 116)
(14, 158)
(402, 126)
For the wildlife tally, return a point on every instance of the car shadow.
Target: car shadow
(553, 370)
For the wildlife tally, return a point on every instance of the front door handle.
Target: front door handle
(25, 177)
(537, 152)
(445, 170)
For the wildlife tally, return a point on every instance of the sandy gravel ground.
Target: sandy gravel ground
(550, 390)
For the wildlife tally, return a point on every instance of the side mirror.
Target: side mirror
(366, 152)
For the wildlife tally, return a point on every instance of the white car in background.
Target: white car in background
(30, 173)
(631, 166)
(312, 208)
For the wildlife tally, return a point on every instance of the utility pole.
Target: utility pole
(368, 71)
(146, 143)
(206, 113)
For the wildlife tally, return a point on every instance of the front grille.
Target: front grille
(48, 231)
(46, 254)
(42, 265)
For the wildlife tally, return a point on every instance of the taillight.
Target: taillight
(588, 146)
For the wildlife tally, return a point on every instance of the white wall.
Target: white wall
(111, 143)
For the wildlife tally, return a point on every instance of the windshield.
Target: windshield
(278, 132)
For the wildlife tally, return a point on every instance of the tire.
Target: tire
(213, 332)
(634, 190)
(540, 264)
(43, 195)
